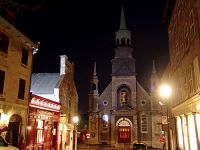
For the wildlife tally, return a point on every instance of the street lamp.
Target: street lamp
(165, 92)
(75, 121)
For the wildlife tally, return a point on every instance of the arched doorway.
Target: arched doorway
(14, 129)
(124, 130)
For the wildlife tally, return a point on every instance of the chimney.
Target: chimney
(63, 66)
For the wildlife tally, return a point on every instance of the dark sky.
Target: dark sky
(84, 30)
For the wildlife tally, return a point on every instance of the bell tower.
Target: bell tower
(123, 63)
(93, 107)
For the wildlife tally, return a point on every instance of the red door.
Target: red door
(124, 134)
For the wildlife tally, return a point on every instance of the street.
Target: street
(99, 147)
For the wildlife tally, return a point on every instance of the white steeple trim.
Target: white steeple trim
(122, 20)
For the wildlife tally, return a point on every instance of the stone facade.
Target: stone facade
(124, 112)
(183, 73)
(16, 52)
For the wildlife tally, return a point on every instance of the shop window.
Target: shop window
(24, 56)
(4, 41)
(68, 138)
(39, 131)
(144, 123)
(21, 90)
(2, 78)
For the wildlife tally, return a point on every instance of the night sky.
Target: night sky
(84, 30)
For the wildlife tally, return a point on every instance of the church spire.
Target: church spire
(123, 36)
(94, 72)
(122, 20)
(153, 68)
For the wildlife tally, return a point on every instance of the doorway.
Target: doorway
(14, 130)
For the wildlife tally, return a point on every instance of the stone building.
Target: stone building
(60, 87)
(183, 73)
(16, 52)
(124, 112)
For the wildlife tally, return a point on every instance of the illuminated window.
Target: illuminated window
(123, 96)
(40, 131)
(105, 121)
(144, 123)
(2, 78)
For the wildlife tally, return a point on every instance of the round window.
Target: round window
(143, 102)
(105, 103)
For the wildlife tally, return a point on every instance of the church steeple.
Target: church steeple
(122, 20)
(123, 63)
(93, 95)
(154, 78)
(123, 36)
(153, 68)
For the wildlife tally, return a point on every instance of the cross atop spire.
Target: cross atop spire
(122, 20)
(94, 72)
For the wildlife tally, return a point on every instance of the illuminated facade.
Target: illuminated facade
(60, 87)
(183, 73)
(124, 113)
(16, 52)
(43, 124)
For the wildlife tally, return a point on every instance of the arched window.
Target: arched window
(94, 87)
(123, 41)
(123, 96)
(144, 123)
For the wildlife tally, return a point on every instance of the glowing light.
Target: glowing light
(75, 119)
(105, 118)
(29, 127)
(165, 91)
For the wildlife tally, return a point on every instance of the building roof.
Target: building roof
(44, 83)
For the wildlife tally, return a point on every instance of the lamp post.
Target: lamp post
(75, 121)
(165, 92)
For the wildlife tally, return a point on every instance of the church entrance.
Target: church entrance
(124, 131)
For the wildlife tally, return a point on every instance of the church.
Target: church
(124, 113)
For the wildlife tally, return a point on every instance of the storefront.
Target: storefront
(187, 131)
(43, 124)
